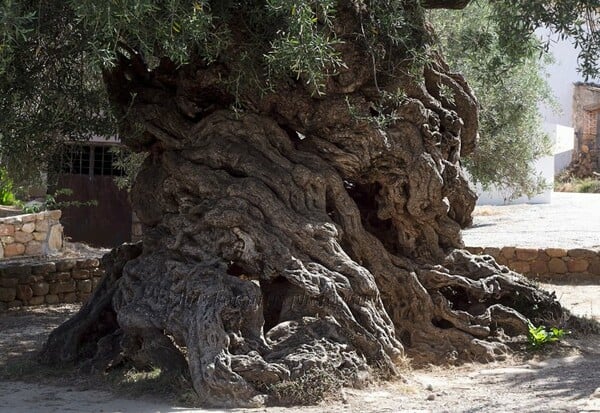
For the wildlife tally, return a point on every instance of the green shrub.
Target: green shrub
(566, 183)
(509, 92)
(589, 186)
(7, 196)
(50, 202)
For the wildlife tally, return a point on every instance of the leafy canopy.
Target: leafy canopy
(509, 91)
(53, 53)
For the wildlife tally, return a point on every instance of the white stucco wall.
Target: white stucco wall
(563, 139)
(561, 74)
(544, 166)
(558, 123)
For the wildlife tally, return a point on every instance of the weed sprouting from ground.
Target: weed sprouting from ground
(540, 336)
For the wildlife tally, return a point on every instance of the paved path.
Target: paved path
(572, 220)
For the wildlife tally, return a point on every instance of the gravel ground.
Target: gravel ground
(571, 220)
(567, 381)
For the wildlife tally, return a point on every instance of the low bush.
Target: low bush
(589, 185)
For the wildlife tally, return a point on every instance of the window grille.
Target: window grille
(92, 160)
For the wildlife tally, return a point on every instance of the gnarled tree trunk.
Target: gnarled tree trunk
(297, 235)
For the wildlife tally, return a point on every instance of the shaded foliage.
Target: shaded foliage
(48, 92)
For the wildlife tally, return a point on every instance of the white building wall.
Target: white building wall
(495, 196)
(558, 123)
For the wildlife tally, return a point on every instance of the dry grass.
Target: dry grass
(585, 185)
(486, 211)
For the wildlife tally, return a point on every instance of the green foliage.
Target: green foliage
(51, 202)
(47, 91)
(173, 28)
(589, 186)
(54, 53)
(306, 47)
(540, 336)
(567, 183)
(129, 163)
(575, 20)
(393, 34)
(7, 196)
(52, 56)
(14, 27)
(509, 87)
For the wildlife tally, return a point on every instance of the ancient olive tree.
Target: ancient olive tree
(302, 199)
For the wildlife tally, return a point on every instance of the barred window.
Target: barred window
(92, 160)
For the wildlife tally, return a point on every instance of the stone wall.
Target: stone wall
(31, 234)
(586, 111)
(546, 262)
(65, 280)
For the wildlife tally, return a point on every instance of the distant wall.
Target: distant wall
(561, 73)
(563, 141)
(66, 280)
(586, 112)
(543, 166)
(562, 160)
(31, 234)
(546, 262)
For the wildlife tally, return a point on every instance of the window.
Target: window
(103, 161)
(92, 160)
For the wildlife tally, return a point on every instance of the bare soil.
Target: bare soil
(564, 378)
(571, 220)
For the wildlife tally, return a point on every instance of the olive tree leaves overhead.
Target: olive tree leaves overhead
(52, 53)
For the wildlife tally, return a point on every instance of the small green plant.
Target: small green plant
(50, 202)
(540, 336)
(129, 164)
(7, 197)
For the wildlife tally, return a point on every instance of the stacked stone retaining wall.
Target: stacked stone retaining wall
(31, 234)
(543, 263)
(67, 280)
(70, 280)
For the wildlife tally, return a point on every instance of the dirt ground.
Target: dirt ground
(571, 220)
(566, 380)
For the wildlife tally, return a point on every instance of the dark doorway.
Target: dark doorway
(88, 171)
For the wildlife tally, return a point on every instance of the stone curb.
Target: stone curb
(62, 280)
(543, 263)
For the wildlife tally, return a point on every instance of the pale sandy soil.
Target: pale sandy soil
(572, 220)
(566, 381)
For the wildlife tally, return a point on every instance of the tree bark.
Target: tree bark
(297, 236)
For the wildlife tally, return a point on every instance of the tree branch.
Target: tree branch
(445, 4)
